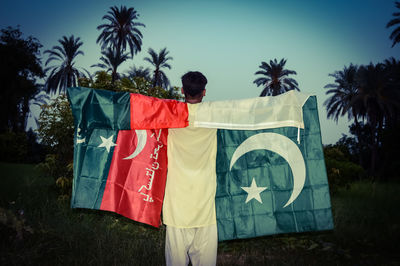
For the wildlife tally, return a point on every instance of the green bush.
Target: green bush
(341, 171)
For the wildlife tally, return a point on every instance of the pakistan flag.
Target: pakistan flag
(272, 181)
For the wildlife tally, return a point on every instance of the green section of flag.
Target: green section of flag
(93, 108)
(91, 163)
(97, 113)
(271, 172)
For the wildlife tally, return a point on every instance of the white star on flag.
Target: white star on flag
(253, 192)
(107, 143)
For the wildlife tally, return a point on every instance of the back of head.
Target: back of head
(193, 84)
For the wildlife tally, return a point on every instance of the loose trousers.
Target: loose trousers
(198, 244)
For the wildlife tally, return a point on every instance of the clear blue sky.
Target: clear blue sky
(227, 40)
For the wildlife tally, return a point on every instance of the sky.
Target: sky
(228, 40)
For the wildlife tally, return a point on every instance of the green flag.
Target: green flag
(272, 181)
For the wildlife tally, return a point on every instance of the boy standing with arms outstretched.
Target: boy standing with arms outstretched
(189, 202)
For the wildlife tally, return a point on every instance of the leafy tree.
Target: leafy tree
(20, 66)
(111, 59)
(340, 169)
(275, 78)
(143, 86)
(56, 131)
(101, 80)
(360, 145)
(130, 84)
(121, 30)
(64, 74)
(395, 36)
(343, 92)
(159, 61)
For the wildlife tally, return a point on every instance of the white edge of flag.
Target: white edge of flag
(284, 110)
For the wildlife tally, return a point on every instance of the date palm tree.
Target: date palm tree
(376, 100)
(159, 61)
(121, 30)
(64, 74)
(275, 78)
(111, 59)
(374, 97)
(342, 94)
(395, 36)
(139, 72)
(392, 66)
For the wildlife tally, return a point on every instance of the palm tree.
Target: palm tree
(139, 72)
(122, 30)
(64, 74)
(159, 61)
(343, 92)
(275, 78)
(374, 97)
(111, 59)
(367, 93)
(392, 67)
(395, 36)
(376, 101)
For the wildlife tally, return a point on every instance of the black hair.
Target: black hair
(193, 83)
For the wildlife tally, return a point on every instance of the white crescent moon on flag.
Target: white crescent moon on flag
(284, 147)
(78, 135)
(141, 136)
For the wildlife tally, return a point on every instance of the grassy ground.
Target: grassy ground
(36, 228)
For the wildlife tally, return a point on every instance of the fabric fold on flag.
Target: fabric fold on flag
(93, 108)
(251, 114)
(150, 112)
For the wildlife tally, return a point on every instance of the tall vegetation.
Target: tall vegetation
(139, 72)
(118, 34)
(64, 74)
(342, 92)
(122, 30)
(395, 22)
(111, 60)
(370, 94)
(275, 78)
(159, 61)
(20, 67)
(56, 131)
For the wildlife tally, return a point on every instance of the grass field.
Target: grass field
(37, 228)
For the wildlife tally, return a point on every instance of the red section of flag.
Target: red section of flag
(150, 112)
(135, 186)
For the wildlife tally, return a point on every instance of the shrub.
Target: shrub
(341, 171)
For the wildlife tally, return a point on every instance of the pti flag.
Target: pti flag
(271, 175)
(117, 169)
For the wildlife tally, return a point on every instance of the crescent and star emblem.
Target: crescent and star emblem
(284, 147)
(141, 136)
(263, 141)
